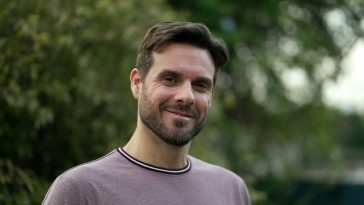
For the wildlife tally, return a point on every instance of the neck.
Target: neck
(145, 146)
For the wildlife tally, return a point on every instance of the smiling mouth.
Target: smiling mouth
(180, 113)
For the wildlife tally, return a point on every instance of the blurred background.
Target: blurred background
(288, 109)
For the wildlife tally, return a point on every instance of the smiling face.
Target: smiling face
(175, 95)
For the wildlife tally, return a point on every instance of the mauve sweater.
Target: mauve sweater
(118, 178)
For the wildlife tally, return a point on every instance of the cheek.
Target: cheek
(203, 103)
(157, 98)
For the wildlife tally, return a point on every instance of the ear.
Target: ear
(135, 82)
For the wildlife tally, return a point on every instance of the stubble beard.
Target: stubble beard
(151, 118)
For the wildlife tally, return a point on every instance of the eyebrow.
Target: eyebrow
(169, 72)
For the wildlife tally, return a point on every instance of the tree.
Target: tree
(64, 93)
(269, 121)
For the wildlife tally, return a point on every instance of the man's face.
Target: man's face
(176, 93)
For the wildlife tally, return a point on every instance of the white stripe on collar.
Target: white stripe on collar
(154, 168)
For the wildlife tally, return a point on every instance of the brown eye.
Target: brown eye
(202, 86)
(169, 80)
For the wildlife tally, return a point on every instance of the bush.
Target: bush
(64, 88)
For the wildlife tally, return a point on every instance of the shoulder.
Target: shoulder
(218, 176)
(75, 184)
(208, 168)
(214, 171)
(90, 169)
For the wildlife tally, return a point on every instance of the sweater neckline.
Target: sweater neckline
(152, 167)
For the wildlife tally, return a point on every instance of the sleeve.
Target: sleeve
(63, 191)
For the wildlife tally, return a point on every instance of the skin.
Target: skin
(173, 101)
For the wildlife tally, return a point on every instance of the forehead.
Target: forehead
(186, 59)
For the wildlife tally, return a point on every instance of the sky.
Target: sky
(347, 92)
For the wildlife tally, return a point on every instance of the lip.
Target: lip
(180, 113)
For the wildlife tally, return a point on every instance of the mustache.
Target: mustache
(188, 109)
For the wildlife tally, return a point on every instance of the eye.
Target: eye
(169, 80)
(202, 86)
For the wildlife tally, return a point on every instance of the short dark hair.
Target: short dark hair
(196, 34)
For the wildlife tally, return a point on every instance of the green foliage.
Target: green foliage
(264, 123)
(65, 96)
(19, 186)
(64, 88)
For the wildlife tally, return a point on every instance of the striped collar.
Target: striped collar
(155, 168)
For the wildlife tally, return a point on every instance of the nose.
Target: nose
(184, 94)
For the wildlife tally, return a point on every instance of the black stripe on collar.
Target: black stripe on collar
(155, 168)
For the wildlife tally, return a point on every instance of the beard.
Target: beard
(172, 136)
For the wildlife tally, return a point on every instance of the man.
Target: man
(173, 83)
